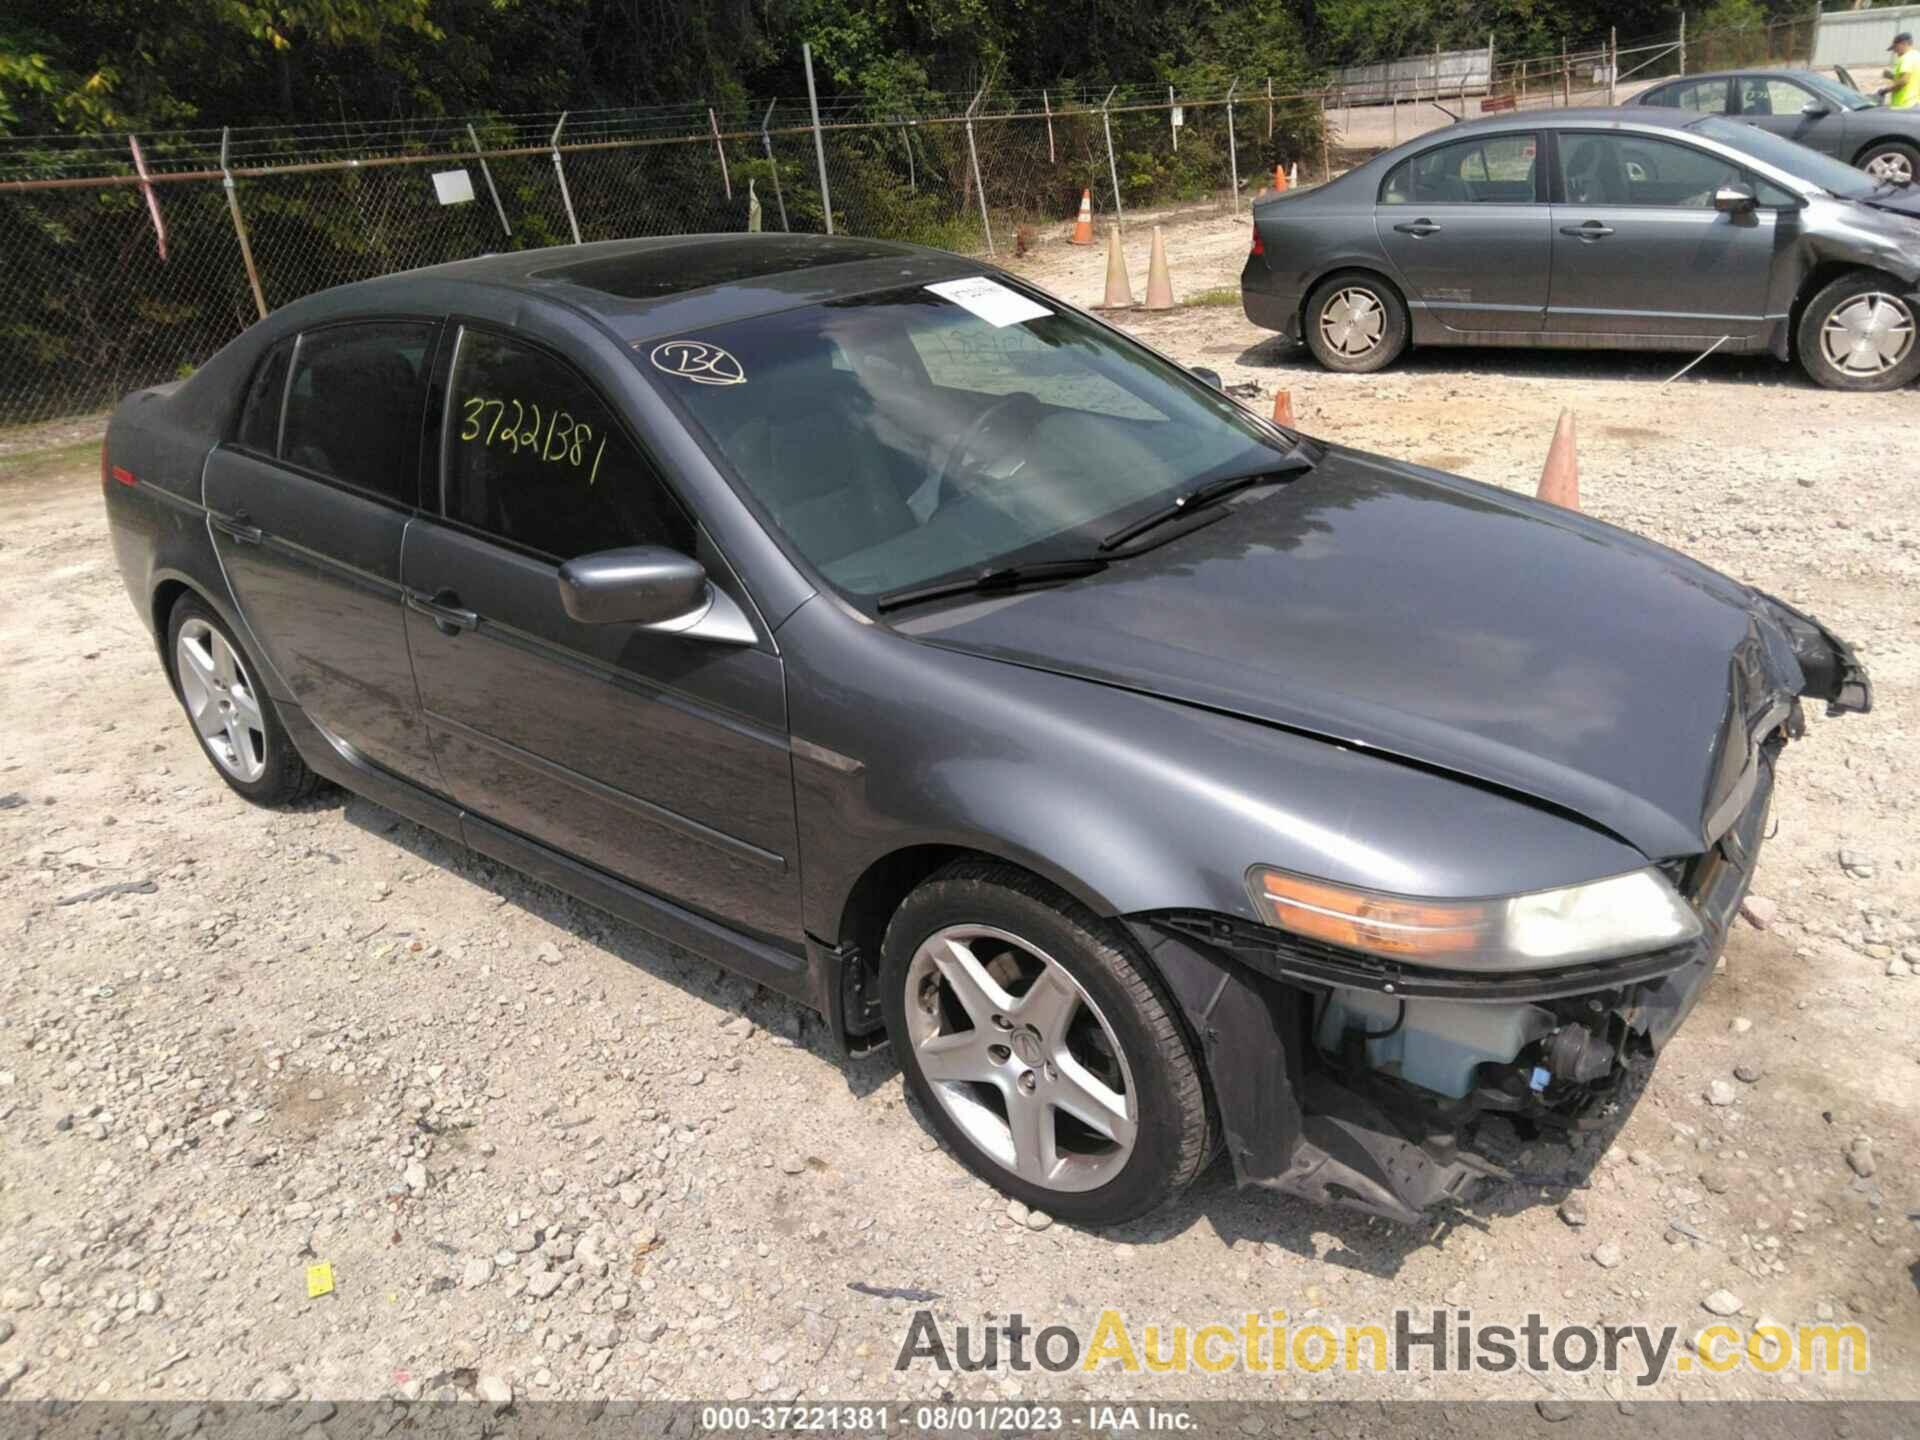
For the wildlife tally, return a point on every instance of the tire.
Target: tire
(1861, 304)
(1336, 337)
(232, 715)
(1894, 160)
(1083, 1028)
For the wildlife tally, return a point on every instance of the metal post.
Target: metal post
(1566, 76)
(240, 228)
(487, 172)
(1326, 152)
(1047, 105)
(1683, 42)
(1269, 109)
(725, 178)
(1394, 100)
(1490, 75)
(766, 141)
(906, 143)
(560, 173)
(1233, 156)
(1113, 170)
(819, 146)
(973, 156)
(1613, 65)
(1171, 126)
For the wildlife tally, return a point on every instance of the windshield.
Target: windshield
(1783, 154)
(927, 431)
(1841, 95)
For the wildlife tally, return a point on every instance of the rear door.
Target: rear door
(1467, 227)
(308, 502)
(1639, 250)
(659, 758)
(1792, 111)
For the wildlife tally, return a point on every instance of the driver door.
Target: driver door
(659, 758)
(1639, 250)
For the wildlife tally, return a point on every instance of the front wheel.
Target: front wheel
(1893, 161)
(1859, 333)
(1040, 1047)
(1355, 323)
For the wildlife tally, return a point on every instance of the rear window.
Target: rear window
(355, 405)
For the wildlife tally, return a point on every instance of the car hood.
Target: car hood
(1903, 200)
(1443, 623)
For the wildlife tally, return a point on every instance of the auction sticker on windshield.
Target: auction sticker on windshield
(991, 301)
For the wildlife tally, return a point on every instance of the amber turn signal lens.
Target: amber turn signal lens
(1361, 920)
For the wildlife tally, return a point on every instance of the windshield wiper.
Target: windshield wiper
(996, 577)
(1204, 495)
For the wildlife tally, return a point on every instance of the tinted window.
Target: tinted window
(353, 412)
(535, 457)
(1621, 169)
(1496, 171)
(1761, 96)
(912, 433)
(259, 427)
(1709, 97)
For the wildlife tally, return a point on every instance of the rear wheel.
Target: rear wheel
(1355, 323)
(1040, 1047)
(1860, 333)
(232, 716)
(1895, 161)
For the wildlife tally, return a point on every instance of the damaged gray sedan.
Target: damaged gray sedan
(1162, 783)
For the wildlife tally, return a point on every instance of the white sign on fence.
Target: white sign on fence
(453, 187)
(1179, 114)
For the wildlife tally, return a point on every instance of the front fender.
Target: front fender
(1132, 803)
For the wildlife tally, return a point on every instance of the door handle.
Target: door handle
(1592, 230)
(237, 529)
(444, 609)
(1419, 228)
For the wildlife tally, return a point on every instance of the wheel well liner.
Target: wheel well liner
(1904, 141)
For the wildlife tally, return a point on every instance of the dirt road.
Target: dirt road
(540, 1151)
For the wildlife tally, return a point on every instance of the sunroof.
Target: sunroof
(650, 274)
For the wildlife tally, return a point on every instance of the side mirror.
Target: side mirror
(645, 585)
(1813, 110)
(1211, 377)
(1734, 200)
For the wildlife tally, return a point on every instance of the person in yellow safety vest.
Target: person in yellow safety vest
(1904, 92)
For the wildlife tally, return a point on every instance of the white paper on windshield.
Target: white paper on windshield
(990, 300)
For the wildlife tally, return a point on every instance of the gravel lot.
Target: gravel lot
(544, 1153)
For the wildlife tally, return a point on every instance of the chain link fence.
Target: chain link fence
(129, 262)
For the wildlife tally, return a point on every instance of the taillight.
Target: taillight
(1259, 248)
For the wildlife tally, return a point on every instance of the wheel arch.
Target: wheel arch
(1907, 142)
(1817, 278)
(1370, 270)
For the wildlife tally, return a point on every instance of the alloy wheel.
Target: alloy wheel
(1352, 322)
(1868, 334)
(1893, 167)
(221, 700)
(1019, 1056)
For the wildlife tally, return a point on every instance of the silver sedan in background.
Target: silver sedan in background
(1637, 229)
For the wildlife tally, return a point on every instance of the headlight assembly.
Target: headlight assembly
(1602, 920)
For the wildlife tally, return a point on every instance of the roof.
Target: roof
(1654, 116)
(652, 287)
(1785, 71)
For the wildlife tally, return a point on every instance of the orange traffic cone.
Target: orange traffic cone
(1283, 408)
(1560, 479)
(1083, 227)
(1119, 288)
(1159, 282)
(1279, 179)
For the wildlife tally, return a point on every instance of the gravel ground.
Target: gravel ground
(544, 1154)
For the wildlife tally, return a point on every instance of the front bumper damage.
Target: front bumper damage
(1309, 1104)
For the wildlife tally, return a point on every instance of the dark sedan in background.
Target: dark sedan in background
(1161, 782)
(1799, 105)
(1640, 228)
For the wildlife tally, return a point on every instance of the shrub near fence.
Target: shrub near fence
(90, 309)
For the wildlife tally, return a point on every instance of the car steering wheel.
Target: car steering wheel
(961, 451)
